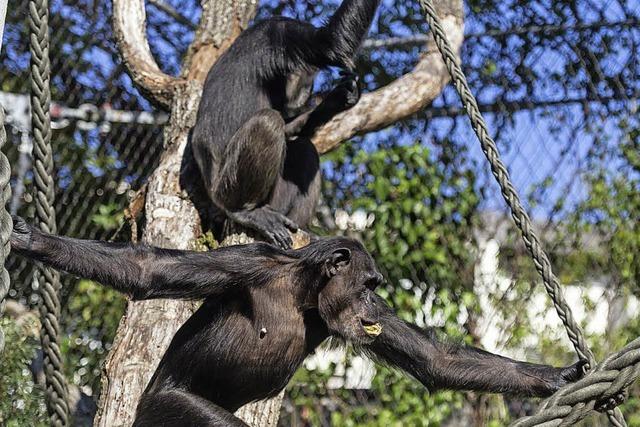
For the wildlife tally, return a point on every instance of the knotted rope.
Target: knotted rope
(575, 401)
(49, 280)
(520, 217)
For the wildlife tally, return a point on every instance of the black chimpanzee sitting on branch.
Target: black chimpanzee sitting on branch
(251, 139)
(264, 311)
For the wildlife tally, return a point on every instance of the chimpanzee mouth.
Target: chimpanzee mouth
(371, 328)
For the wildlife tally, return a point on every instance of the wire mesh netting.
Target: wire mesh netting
(559, 84)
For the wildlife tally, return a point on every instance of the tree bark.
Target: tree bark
(147, 328)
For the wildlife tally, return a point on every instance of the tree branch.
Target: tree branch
(403, 97)
(129, 27)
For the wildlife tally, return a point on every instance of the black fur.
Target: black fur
(251, 139)
(264, 311)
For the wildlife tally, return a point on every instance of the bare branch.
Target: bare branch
(3, 12)
(129, 27)
(401, 98)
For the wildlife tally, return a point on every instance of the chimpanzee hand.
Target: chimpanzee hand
(564, 376)
(574, 373)
(269, 223)
(346, 94)
(604, 405)
(22, 233)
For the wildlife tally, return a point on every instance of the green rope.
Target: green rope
(520, 217)
(49, 280)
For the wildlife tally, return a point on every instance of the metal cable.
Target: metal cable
(520, 216)
(49, 280)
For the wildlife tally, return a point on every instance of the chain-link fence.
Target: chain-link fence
(105, 144)
(558, 81)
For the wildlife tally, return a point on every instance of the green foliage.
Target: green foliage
(398, 401)
(424, 216)
(92, 315)
(206, 242)
(108, 217)
(22, 402)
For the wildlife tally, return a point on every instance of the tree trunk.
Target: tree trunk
(148, 327)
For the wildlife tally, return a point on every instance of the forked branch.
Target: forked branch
(129, 27)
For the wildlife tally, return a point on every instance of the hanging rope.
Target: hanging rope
(520, 217)
(49, 280)
(6, 225)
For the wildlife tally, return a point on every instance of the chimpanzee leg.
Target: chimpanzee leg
(179, 408)
(249, 168)
(252, 162)
(298, 188)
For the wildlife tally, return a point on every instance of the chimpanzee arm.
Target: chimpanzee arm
(345, 95)
(440, 365)
(341, 37)
(143, 272)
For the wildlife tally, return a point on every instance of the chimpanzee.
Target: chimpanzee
(251, 138)
(265, 309)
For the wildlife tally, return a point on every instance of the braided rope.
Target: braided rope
(49, 280)
(520, 216)
(6, 225)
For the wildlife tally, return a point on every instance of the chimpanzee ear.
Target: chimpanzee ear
(340, 258)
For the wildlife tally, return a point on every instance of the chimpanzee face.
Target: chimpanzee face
(346, 302)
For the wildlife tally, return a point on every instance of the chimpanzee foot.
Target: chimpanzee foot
(349, 84)
(272, 225)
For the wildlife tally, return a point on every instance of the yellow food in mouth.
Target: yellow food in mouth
(373, 330)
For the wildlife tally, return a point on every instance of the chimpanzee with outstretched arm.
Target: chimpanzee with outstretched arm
(266, 309)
